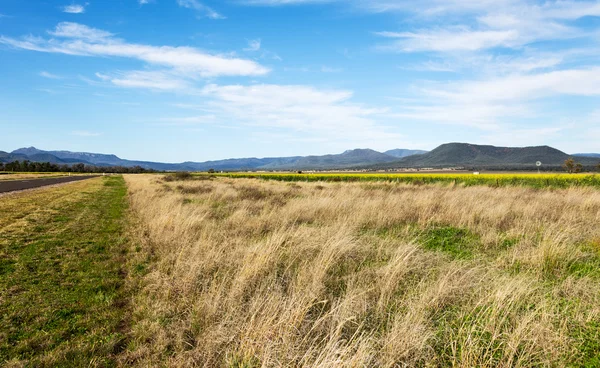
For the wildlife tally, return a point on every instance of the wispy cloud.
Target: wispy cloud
(74, 9)
(486, 24)
(253, 45)
(450, 40)
(153, 80)
(77, 39)
(188, 120)
(85, 133)
(80, 31)
(328, 69)
(302, 109)
(520, 88)
(201, 9)
(49, 75)
(490, 104)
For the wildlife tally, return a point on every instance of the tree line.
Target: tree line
(573, 167)
(29, 166)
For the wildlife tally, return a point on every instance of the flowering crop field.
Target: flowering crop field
(521, 179)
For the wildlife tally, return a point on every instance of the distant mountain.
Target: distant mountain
(401, 153)
(471, 155)
(241, 163)
(595, 155)
(348, 159)
(446, 155)
(8, 157)
(97, 159)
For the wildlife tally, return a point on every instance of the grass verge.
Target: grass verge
(61, 294)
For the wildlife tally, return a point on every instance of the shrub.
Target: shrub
(178, 176)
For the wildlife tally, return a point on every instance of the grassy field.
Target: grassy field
(61, 275)
(545, 180)
(223, 272)
(251, 273)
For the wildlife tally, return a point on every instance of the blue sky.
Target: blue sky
(177, 80)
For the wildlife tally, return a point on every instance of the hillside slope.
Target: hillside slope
(471, 155)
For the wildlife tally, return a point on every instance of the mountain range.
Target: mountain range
(348, 159)
(595, 155)
(447, 155)
(479, 156)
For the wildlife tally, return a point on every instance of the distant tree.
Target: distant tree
(598, 167)
(211, 171)
(578, 168)
(569, 165)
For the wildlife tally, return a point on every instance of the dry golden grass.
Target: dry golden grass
(248, 273)
(25, 176)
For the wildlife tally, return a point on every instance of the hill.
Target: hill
(471, 155)
(447, 155)
(348, 159)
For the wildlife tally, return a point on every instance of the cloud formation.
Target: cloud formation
(74, 9)
(49, 75)
(77, 39)
(201, 9)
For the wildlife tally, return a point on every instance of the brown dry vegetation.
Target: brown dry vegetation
(248, 273)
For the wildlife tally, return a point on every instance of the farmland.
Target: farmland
(468, 179)
(332, 270)
(248, 273)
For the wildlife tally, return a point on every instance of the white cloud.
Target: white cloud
(153, 80)
(519, 88)
(328, 69)
(253, 45)
(77, 39)
(85, 133)
(189, 120)
(74, 9)
(486, 24)
(450, 40)
(491, 104)
(80, 31)
(143, 2)
(49, 75)
(200, 8)
(303, 109)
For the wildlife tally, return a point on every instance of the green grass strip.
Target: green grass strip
(61, 278)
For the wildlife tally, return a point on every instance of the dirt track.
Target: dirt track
(15, 185)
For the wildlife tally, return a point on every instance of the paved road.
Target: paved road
(13, 185)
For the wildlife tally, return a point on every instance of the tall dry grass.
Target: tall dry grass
(247, 273)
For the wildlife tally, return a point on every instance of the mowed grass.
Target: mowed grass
(61, 275)
(253, 273)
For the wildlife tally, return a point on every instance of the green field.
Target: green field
(61, 275)
(530, 180)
